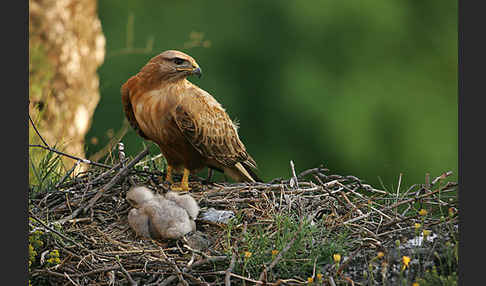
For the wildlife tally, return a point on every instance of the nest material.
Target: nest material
(87, 218)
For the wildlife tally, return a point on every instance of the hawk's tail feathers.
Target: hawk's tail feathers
(247, 171)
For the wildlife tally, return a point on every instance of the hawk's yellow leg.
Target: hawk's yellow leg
(168, 177)
(184, 185)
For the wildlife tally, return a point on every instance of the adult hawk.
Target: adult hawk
(191, 128)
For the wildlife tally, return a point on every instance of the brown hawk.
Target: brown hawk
(191, 128)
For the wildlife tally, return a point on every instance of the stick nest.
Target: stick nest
(85, 219)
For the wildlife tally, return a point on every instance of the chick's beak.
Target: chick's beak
(197, 71)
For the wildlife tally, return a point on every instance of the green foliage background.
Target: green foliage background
(367, 88)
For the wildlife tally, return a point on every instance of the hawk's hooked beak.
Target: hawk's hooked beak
(197, 71)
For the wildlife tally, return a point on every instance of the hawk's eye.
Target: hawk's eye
(178, 61)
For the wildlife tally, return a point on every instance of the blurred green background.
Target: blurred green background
(366, 88)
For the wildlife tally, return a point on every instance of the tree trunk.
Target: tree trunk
(66, 46)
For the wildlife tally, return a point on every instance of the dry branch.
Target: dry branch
(123, 172)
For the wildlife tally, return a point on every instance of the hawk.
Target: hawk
(191, 128)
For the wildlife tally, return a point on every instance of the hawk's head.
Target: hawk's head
(173, 65)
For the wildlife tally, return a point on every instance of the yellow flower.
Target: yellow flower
(423, 212)
(39, 232)
(274, 252)
(55, 253)
(405, 260)
(53, 261)
(337, 257)
(417, 225)
(319, 277)
(415, 284)
(310, 280)
(247, 254)
(451, 212)
(32, 254)
(380, 254)
(426, 233)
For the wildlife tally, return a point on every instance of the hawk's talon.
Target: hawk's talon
(180, 187)
(184, 184)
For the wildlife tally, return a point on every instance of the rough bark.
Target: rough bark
(66, 46)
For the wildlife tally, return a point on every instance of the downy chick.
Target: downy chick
(155, 217)
(186, 202)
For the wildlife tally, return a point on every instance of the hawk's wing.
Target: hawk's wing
(210, 130)
(127, 105)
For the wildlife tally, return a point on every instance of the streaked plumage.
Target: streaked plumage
(191, 128)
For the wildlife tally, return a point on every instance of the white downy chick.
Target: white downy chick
(186, 202)
(155, 217)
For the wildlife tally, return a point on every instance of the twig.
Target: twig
(99, 270)
(129, 277)
(417, 198)
(314, 268)
(121, 154)
(246, 279)
(294, 183)
(441, 177)
(46, 146)
(57, 232)
(149, 160)
(86, 161)
(311, 171)
(227, 277)
(176, 268)
(37, 131)
(331, 281)
(211, 259)
(71, 280)
(204, 261)
(116, 178)
(194, 250)
(353, 207)
(398, 192)
(106, 173)
(356, 219)
(67, 174)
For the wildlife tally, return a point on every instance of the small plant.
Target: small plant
(299, 243)
(45, 170)
(53, 258)
(232, 224)
(43, 250)
(433, 278)
(445, 273)
(36, 244)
